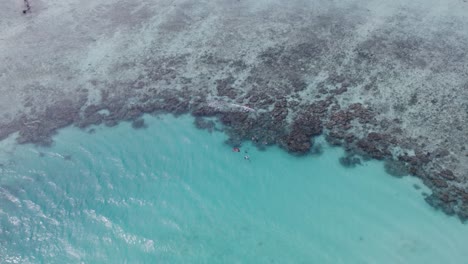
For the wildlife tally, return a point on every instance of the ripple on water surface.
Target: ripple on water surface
(174, 194)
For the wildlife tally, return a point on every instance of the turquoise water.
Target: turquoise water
(174, 194)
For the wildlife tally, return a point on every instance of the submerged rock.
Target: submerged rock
(350, 161)
(396, 168)
(138, 123)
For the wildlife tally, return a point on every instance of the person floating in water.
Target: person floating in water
(246, 157)
(236, 149)
(27, 7)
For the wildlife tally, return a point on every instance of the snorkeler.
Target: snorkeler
(27, 7)
(236, 149)
(246, 157)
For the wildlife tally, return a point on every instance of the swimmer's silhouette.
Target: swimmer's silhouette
(27, 7)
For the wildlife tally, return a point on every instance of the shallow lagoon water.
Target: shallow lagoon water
(173, 194)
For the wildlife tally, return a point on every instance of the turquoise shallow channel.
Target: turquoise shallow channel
(173, 194)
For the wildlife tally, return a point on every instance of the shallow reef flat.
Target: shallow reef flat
(387, 81)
